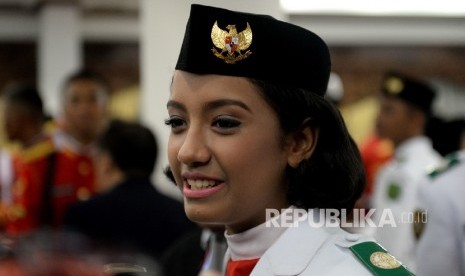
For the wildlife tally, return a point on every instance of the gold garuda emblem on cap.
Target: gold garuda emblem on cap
(232, 43)
(394, 85)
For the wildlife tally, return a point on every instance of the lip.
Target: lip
(201, 193)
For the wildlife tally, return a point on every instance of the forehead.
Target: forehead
(78, 91)
(391, 100)
(395, 104)
(212, 86)
(84, 87)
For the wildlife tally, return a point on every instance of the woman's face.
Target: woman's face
(226, 150)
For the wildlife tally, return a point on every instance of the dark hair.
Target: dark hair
(132, 147)
(28, 97)
(333, 177)
(86, 74)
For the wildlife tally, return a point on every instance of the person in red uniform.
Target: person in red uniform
(49, 176)
(82, 118)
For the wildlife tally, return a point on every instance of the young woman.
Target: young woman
(252, 135)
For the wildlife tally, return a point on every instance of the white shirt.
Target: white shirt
(7, 177)
(253, 243)
(300, 249)
(395, 191)
(441, 248)
(63, 140)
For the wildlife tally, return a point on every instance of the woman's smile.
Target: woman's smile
(197, 186)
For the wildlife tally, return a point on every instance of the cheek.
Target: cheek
(396, 122)
(251, 159)
(14, 124)
(72, 112)
(97, 108)
(386, 121)
(173, 149)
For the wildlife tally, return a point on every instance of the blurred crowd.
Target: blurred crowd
(85, 177)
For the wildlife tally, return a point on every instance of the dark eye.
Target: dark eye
(225, 123)
(175, 123)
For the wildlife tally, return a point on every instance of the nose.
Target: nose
(194, 150)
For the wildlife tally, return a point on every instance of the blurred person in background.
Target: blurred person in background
(83, 116)
(129, 214)
(404, 111)
(46, 179)
(441, 245)
(448, 116)
(23, 121)
(360, 119)
(84, 109)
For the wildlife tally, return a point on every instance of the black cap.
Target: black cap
(224, 42)
(408, 89)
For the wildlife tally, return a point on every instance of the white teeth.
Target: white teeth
(200, 184)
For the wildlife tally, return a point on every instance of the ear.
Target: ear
(302, 143)
(104, 165)
(107, 173)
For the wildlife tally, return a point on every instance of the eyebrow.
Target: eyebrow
(226, 102)
(176, 104)
(211, 105)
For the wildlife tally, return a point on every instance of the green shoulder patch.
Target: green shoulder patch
(378, 260)
(449, 161)
(394, 191)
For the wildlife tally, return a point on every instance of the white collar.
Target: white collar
(253, 243)
(411, 145)
(64, 140)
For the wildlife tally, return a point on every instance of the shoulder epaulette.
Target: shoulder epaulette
(449, 161)
(40, 150)
(378, 260)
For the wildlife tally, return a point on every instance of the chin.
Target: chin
(202, 214)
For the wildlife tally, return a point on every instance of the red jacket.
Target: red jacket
(70, 177)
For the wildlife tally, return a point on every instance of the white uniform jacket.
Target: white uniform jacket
(395, 192)
(306, 250)
(441, 248)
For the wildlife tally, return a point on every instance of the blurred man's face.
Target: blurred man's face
(84, 108)
(394, 120)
